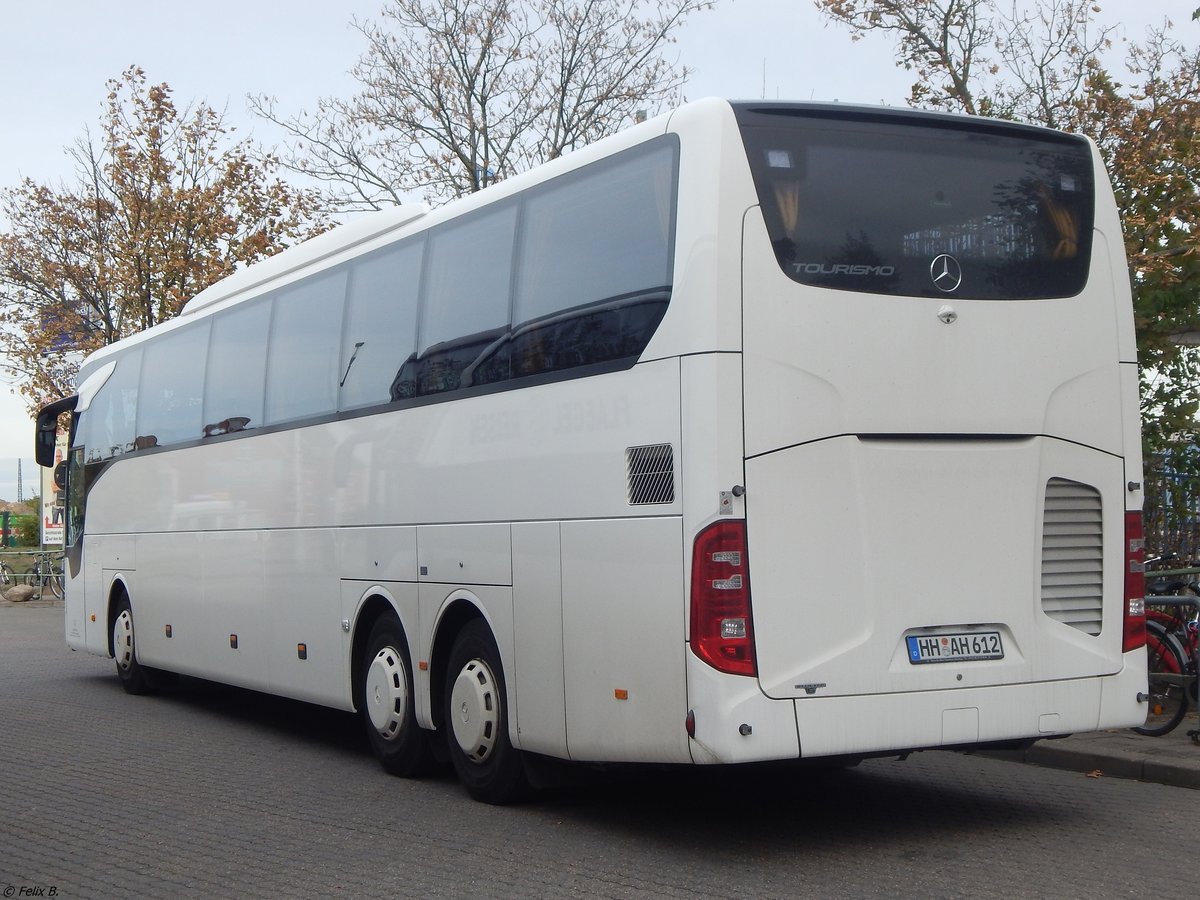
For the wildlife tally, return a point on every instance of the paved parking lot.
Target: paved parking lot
(210, 791)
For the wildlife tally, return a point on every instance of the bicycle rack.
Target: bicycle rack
(43, 567)
(1194, 603)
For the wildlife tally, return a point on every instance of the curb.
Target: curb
(1081, 756)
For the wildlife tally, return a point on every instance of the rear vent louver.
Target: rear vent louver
(1072, 555)
(650, 474)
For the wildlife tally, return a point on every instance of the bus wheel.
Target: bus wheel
(476, 717)
(135, 678)
(386, 702)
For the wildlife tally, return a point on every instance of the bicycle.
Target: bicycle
(7, 576)
(1172, 637)
(47, 572)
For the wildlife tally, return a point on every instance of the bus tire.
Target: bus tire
(135, 678)
(386, 701)
(476, 719)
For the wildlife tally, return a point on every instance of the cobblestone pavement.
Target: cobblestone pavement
(215, 792)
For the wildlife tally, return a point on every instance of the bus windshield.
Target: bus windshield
(878, 204)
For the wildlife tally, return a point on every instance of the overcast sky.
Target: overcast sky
(57, 54)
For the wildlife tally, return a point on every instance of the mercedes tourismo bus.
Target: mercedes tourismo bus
(759, 431)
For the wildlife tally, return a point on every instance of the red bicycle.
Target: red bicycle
(1172, 638)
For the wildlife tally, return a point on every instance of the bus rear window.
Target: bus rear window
(935, 207)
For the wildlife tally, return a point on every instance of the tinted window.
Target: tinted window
(237, 360)
(935, 208)
(381, 323)
(464, 300)
(172, 388)
(593, 278)
(431, 315)
(303, 358)
(604, 234)
(109, 424)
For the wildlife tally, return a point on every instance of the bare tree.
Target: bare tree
(946, 42)
(970, 56)
(457, 95)
(1048, 54)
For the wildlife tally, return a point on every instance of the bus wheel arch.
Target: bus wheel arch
(118, 594)
(372, 608)
(385, 691)
(452, 620)
(135, 678)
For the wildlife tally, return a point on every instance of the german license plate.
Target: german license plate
(954, 647)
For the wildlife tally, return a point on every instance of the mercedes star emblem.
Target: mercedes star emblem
(946, 273)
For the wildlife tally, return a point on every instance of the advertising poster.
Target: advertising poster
(53, 500)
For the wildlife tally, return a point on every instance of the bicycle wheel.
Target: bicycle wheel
(7, 577)
(1168, 697)
(55, 577)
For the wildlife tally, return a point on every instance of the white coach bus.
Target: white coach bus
(759, 431)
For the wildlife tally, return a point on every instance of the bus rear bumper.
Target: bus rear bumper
(962, 718)
(735, 723)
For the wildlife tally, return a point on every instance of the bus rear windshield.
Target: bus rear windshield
(936, 208)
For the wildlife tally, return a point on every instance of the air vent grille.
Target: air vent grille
(1073, 555)
(650, 474)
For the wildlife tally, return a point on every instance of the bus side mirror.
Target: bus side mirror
(47, 434)
(60, 476)
(47, 429)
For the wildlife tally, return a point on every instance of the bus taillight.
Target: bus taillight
(1135, 584)
(721, 629)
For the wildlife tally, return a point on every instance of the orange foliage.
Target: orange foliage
(163, 204)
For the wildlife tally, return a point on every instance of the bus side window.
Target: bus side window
(302, 359)
(381, 324)
(595, 263)
(233, 388)
(108, 427)
(172, 388)
(465, 296)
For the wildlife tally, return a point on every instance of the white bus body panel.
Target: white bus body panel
(915, 535)
(412, 500)
(430, 465)
(876, 722)
(622, 640)
(538, 664)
